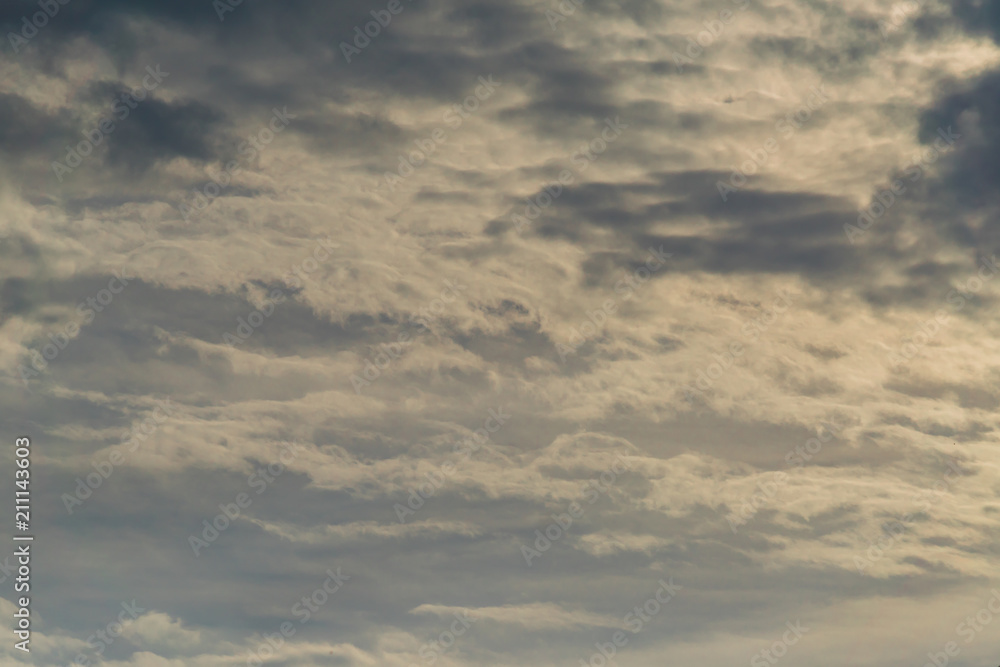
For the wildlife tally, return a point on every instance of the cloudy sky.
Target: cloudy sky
(503, 332)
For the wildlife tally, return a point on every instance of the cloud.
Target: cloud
(656, 382)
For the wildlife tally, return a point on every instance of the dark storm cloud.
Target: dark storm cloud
(103, 18)
(303, 26)
(972, 171)
(978, 16)
(24, 127)
(565, 87)
(151, 131)
(966, 181)
(156, 130)
(759, 231)
(561, 83)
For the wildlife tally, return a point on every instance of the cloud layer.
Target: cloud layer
(696, 293)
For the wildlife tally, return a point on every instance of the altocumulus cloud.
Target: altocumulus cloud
(304, 303)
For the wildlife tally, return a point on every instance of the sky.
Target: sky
(480, 333)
